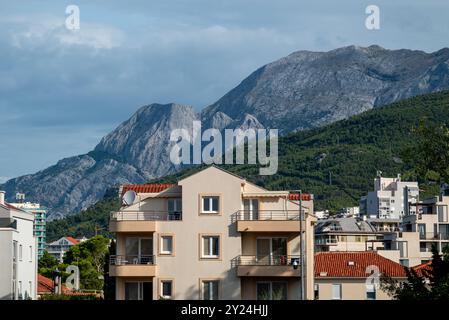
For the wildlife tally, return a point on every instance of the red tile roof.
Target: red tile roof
(145, 188)
(72, 240)
(422, 268)
(45, 285)
(336, 265)
(304, 196)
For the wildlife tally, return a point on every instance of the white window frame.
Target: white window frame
(210, 283)
(211, 211)
(340, 291)
(370, 288)
(31, 253)
(162, 288)
(162, 251)
(211, 242)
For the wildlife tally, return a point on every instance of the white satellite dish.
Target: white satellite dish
(129, 197)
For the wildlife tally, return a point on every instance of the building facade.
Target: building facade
(390, 199)
(213, 235)
(58, 248)
(18, 254)
(40, 221)
(353, 275)
(345, 234)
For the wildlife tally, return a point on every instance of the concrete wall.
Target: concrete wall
(351, 289)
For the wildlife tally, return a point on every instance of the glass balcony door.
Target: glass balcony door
(271, 251)
(138, 291)
(138, 250)
(251, 209)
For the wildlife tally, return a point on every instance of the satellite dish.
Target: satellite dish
(129, 197)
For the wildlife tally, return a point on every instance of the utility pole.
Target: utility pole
(302, 246)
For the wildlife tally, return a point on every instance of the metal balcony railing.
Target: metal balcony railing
(121, 260)
(273, 260)
(145, 216)
(281, 215)
(432, 236)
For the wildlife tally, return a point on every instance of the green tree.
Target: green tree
(430, 154)
(432, 284)
(47, 264)
(89, 256)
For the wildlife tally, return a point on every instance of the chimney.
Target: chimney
(2, 197)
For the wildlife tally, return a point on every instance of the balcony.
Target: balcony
(432, 236)
(267, 221)
(132, 266)
(271, 266)
(140, 221)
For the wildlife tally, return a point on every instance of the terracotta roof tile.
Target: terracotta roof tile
(45, 285)
(336, 265)
(145, 188)
(420, 269)
(72, 240)
(304, 197)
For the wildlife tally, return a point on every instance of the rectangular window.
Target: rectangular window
(210, 290)
(336, 291)
(20, 252)
(271, 290)
(138, 290)
(166, 245)
(174, 209)
(370, 292)
(210, 204)
(31, 253)
(316, 291)
(211, 246)
(30, 289)
(166, 289)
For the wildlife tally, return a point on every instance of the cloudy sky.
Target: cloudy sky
(62, 90)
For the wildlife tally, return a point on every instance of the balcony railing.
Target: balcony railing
(145, 216)
(121, 260)
(260, 215)
(433, 236)
(274, 260)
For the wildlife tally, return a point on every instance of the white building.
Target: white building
(58, 248)
(40, 221)
(390, 199)
(349, 212)
(18, 254)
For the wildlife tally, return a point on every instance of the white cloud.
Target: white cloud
(32, 33)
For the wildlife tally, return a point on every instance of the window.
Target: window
(166, 242)
(210, 204)
(20, 291)
(336, 291)
(274, 290)
(316, 291)
(211, 247)
(166, 289)
(31, 253)
(138, 290)
(20, 252)
(370, 292)
(138, 250)
(210, 289)
(174, 209)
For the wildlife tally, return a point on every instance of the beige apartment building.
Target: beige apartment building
(212, 235)
(353, 275)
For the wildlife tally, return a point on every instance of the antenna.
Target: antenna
(129, 197)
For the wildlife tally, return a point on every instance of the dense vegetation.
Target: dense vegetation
(90, 256)
(93, 221)
(337, 162)
(431, 284)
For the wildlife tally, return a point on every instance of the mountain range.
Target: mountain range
(301, 91)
